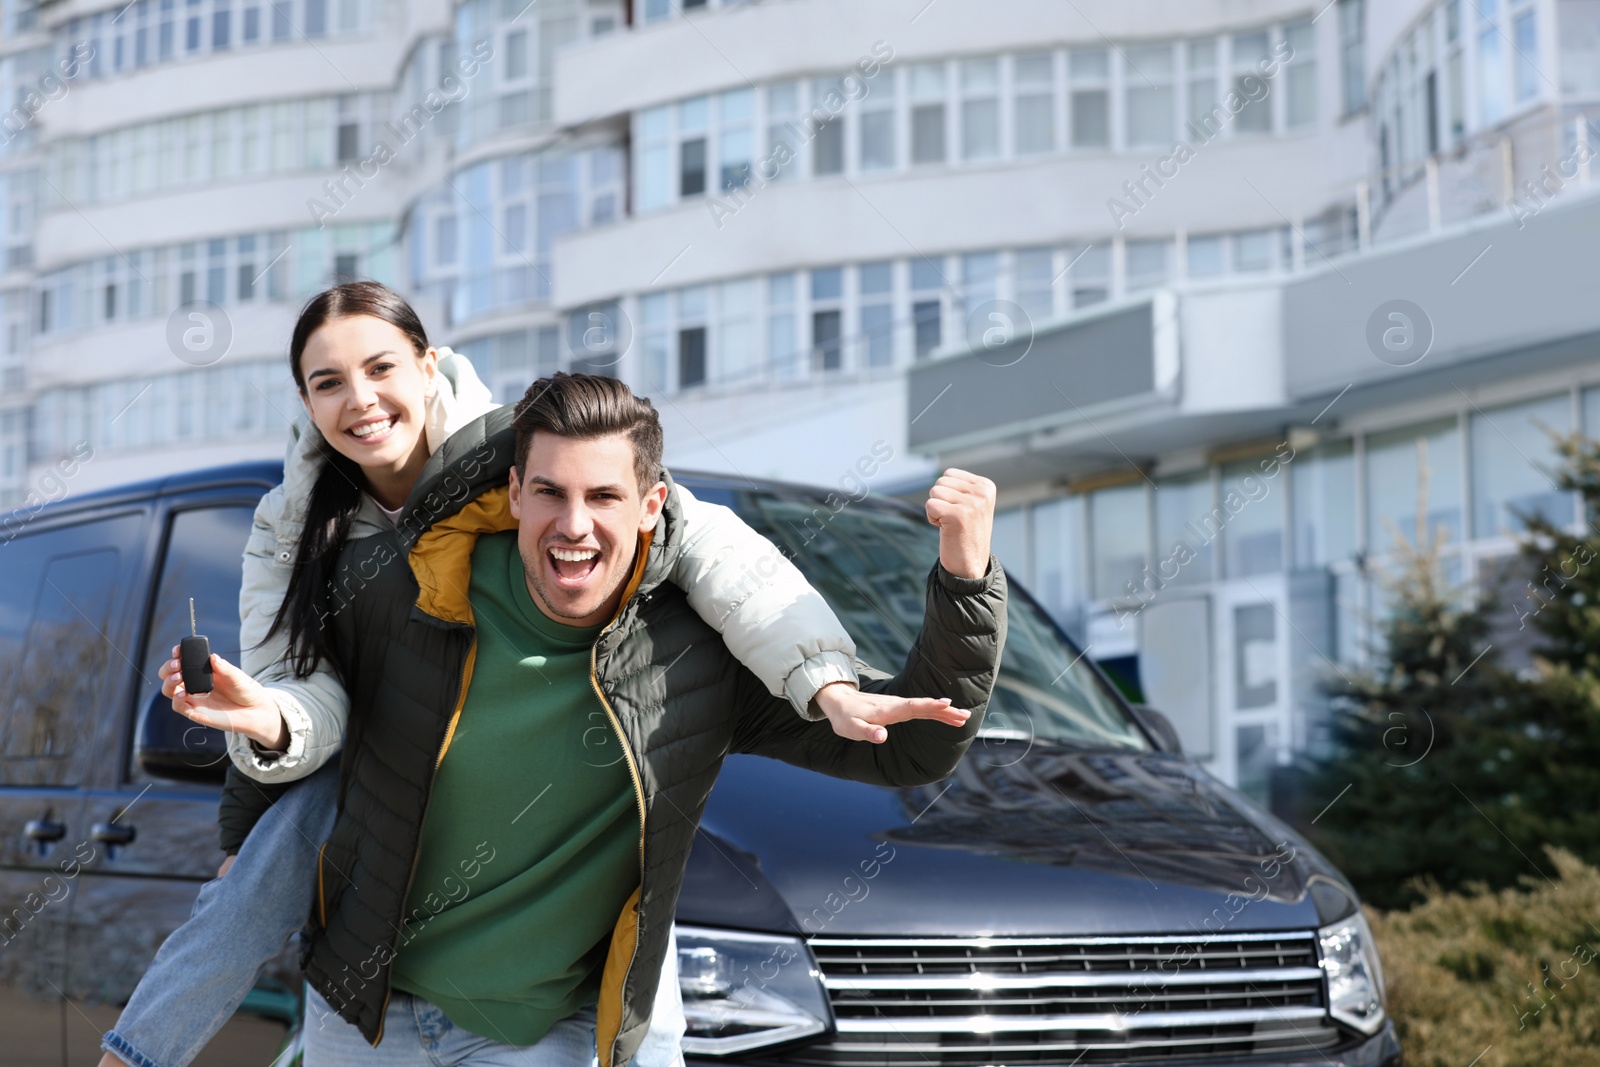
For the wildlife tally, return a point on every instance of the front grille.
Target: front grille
(974, 1002)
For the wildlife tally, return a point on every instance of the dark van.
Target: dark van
(1078, 892)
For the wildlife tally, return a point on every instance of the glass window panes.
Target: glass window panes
(1033, 76)
(1205, 256)
(1119, 531)
(1148, 264)
(1204, 121)
(1249, 51)
(1186, 526)
(1058, 557)
(1090, 275)
(980, 109)
(1324, 507)
(1410, 472)
(1514, 465)
(1253, 503)
(1089, 105)
(1151, 105)
(1010, 541)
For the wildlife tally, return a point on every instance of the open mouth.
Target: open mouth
(370, 433)
(573, 566)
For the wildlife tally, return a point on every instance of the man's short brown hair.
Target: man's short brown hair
(587, 406)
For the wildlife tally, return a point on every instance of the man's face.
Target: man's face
(579, 512)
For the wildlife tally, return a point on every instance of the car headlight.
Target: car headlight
(1355, 977)
(744, 991)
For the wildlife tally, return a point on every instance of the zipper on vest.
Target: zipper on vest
(638, 792)
(416, 853)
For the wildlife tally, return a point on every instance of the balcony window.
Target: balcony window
(1034, 80)
(1090, 98)
(927, 113)
(1150, 108)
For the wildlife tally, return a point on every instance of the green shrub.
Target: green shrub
(1511, 971)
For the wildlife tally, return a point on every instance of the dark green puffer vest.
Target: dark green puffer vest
(679, 701)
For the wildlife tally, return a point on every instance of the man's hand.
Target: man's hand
(236, 702)
(961, 504)
(226, 865)
(862, 716)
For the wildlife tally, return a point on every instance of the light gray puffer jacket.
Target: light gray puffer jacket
(782, 630)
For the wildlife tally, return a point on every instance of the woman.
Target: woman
(379, 401)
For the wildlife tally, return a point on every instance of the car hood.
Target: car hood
(1043, 841)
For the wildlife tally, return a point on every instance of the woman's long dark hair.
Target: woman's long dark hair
(336, 495)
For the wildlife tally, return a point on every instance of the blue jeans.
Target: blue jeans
(417, 1034)
(241, 921)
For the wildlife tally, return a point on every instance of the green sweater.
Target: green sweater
(530, 844)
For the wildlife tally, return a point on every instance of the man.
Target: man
(512, 903)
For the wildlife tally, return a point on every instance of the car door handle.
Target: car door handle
(44, 830)
(111, 833)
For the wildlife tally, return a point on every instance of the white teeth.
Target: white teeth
(373, 427)
(574, 555)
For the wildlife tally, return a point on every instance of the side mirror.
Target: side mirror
(1159, 727)
(171, 746)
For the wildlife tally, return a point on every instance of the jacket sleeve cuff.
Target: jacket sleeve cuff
(816, 671)
(283, 766)
(968, 586)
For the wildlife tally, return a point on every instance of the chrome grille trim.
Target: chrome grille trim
(1076, 980)
(1037, 1001)
(1144, 1020)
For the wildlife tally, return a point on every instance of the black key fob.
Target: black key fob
(194, 657)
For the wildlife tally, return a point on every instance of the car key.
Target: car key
(194, 657)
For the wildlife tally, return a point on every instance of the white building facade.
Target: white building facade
(1123, 257)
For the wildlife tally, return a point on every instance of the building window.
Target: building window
(1090, 108)
(1185, 516)
(1300, 75)
(738, 355)
(827, 139)
(1148, 264)
(875, 284)
(980, 109)
(1324, 505)
(927, 113)
(1204, 256)
(1033, 77)
(652, 131)
(1250, 50)
(691, 324)
(1119, 529)
(693, 117)
(1035, 282)
(1408, 471)
(1527, 47)
(1353, 54)
(1253, 537)
(781, 347)
(877, 122)
(1147, 78)
(1205, 120)
(927, 305)
(1090, 275)
(1513, 460)
(783, 132)
(736, 137)
(827, 315)
(654, 317)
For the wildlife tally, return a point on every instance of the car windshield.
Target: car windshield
(871, 563)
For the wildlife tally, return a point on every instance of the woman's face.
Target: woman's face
(366, 390)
